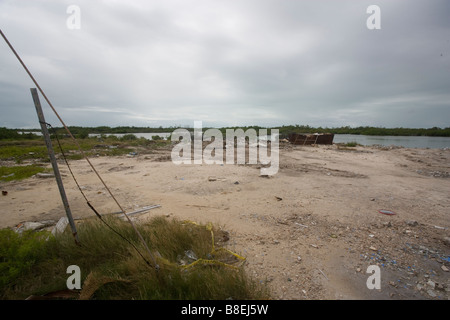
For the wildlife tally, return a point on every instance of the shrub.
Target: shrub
(19, 253)
(128, 137)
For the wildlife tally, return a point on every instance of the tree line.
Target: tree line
(83, 132)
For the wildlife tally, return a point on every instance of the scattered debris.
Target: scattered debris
(33, 225)
(45, 175)
(323, 274)
(301, 225)
(60, 226)
(387, 212)
(412, 223)
(120, 167)
(216, 179)
(311, 139)
(138, 211)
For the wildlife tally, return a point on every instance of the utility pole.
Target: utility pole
(51, 154)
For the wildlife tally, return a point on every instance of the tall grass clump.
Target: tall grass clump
(114, 268)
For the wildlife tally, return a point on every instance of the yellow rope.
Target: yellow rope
(213, 251)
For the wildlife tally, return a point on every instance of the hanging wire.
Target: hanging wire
(155, 264)
(85, 197)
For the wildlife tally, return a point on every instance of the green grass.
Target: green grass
(40, 267)
(351, 144)
(19, 172)
(25, 151)
(21, 151)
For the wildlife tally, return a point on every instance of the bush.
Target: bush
(351, 144)
(19, 253)
(128, 137)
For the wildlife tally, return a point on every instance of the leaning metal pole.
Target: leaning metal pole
(51, 154)
(81, 150)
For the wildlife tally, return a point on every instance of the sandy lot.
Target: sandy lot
(310, 231)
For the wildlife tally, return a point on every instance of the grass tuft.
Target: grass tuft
(112, 269)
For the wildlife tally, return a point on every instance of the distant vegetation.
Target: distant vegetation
(369, 131)
(83, 132)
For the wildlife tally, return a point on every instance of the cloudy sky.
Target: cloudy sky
(227, 62)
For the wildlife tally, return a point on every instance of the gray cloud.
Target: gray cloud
(265, 62)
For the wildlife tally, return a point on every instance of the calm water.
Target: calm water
(403, 141)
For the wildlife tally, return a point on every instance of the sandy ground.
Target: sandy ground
(310, 231)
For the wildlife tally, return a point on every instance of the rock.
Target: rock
(412, 223)
(440, 287)
(431, 293)
(447, 241)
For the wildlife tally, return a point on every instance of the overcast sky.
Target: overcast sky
(228, 62)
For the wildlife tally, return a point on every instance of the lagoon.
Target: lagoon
(401, 141)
